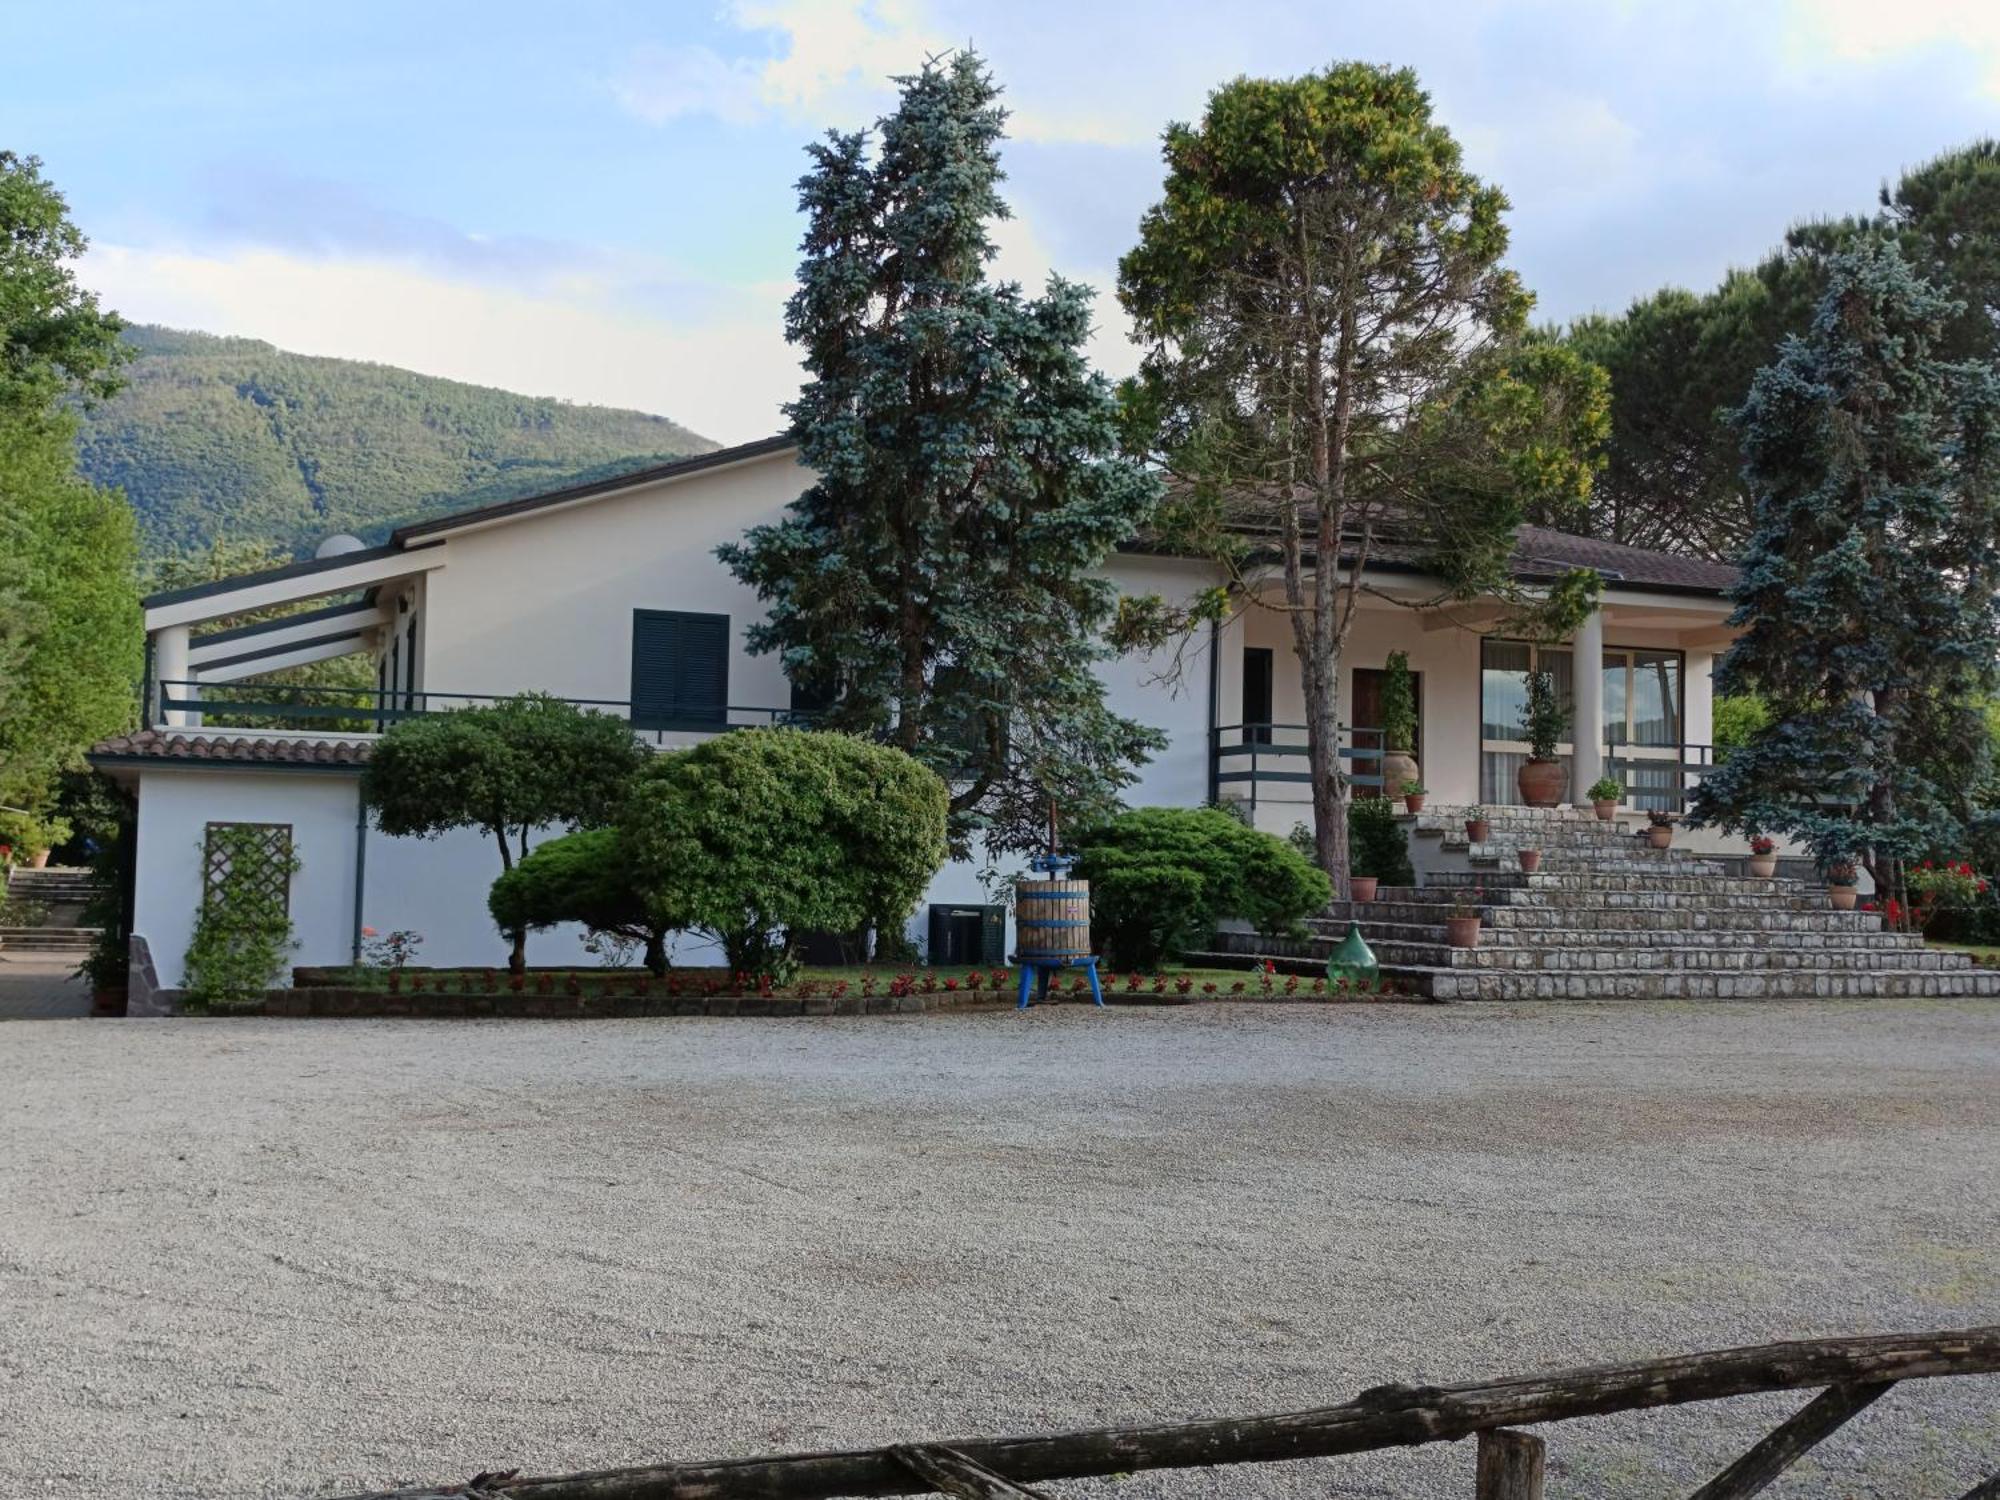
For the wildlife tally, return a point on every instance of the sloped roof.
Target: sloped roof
(1538, 549)
(233, 750)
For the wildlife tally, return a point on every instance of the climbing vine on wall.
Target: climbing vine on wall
(243, 932)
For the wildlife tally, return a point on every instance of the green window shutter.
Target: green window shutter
(680, 670)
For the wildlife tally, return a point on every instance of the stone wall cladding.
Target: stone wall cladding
(327, 1001)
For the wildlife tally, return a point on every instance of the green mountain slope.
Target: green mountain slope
(232, 437)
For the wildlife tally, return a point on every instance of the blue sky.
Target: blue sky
(594, 200)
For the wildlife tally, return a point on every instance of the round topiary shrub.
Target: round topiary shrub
(1161, 878)
(765, 834)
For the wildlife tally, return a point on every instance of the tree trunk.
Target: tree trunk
(517, 958)
(656, 952)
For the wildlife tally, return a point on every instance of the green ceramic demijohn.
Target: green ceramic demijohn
(1353, 960)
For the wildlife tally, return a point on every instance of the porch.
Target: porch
(1648, 694)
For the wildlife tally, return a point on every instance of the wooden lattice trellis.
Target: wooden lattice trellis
(246, 873)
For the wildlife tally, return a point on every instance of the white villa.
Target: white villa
(609, 594)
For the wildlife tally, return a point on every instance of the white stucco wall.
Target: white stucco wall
(175, 808)
(545, 602)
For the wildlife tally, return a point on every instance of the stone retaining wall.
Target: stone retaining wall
(325, 1001)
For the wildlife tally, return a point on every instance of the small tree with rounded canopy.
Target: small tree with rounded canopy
(527, 762)
(1161, 878)
(765, 834)
(584, 878)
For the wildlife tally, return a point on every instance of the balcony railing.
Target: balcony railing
(337, 710)
(1259, 763)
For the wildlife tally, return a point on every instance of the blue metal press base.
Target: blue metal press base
(1038, 972)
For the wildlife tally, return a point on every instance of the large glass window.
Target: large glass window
(1642, 711)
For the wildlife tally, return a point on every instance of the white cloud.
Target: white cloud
(663, 83)
(1869, 31)
(834, 60)
(724, 375)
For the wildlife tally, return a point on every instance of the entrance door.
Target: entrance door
(1365, 714)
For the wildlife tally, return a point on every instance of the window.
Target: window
(1257, 669)
(810, 699)
(1503, 694)
(1642, 711)
(680, 670)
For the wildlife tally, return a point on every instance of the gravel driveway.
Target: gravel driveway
(272, 1258)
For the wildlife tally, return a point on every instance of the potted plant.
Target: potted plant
(1461, 927)
(1763, 856)
(1605, 794)
(1544, 721)
(1531, 860)
(1413, 796)
(1399, 723)
(1478, 827)
(1660, 829)
(1377, 848)
(1840, 883)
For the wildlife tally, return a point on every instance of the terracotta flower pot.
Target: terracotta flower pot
(1763, 866)
(1542, 782)
(39, 860)
(1362, 887)
(1478, 830)
(1531, 861)
(108, 1000)
(1660, 836)
(1842, 897)
(1606, 810)
(1462, 932)
(1414, 802)
(1399, 769)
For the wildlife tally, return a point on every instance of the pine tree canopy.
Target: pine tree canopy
(1868, 591)
(939, 581)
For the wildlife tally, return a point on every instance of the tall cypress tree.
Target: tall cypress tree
(1868, 591)
(939, 579)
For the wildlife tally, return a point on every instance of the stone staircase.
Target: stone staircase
(57, 895)
(1609, 917)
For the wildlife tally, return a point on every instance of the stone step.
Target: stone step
(1426, 946)
(47, 939)
(1670, 914)
(1723, 938)
(1636, 878)
(1775, 984)
(1644, 960)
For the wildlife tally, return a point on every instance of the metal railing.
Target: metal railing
(336, 710)
(1265, 759)
(1659, 782)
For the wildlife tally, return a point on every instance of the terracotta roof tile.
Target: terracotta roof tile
(224, 749)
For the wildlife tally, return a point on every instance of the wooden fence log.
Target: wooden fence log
(1510, 1466)
(950, 1472)
(1790, 1441)
(1382, 1417)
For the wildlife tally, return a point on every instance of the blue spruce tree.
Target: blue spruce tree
(1868, 591)
(938, 583)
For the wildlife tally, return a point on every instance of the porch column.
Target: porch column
(1587, 728)
(170, 665)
